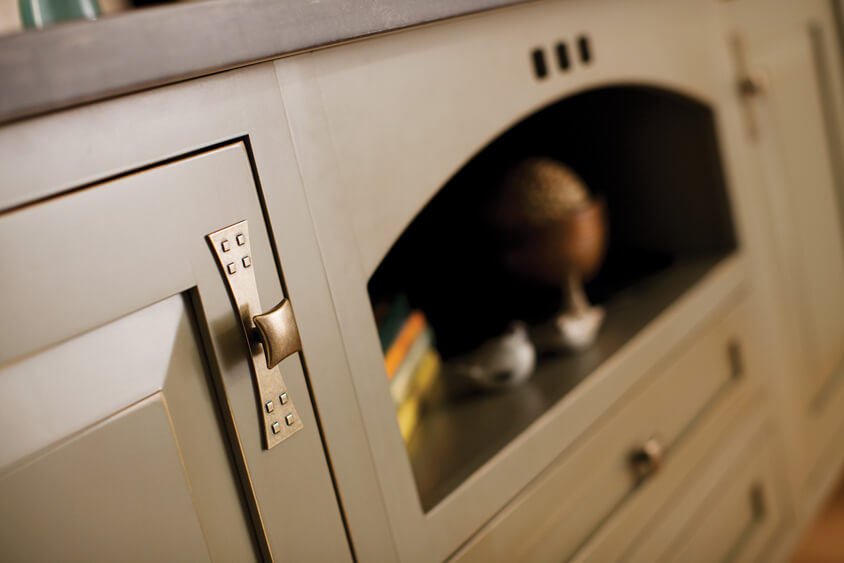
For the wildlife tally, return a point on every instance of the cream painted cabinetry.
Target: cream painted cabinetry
(684, 404)
(131, 429)
(368, 120)
(743, 511)
(130, 422)
(795, 129)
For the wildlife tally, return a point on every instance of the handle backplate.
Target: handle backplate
(233, 251)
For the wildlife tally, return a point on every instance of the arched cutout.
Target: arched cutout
(652, 154)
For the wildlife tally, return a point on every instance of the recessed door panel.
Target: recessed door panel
(115, 493)
(60, 432)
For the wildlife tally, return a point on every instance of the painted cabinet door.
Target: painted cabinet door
(802, 170)
(797, 117)
(130, 427)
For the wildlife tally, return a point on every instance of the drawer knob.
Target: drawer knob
(647, 459)
(735, 357)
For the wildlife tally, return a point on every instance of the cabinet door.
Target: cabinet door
(798, 124)
(130, 427)
(800, 165)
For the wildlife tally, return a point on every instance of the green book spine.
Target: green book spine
(391, 325)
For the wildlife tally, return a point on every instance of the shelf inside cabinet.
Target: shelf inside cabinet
(456, 436)
(652, 157)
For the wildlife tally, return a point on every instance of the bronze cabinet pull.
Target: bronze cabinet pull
(276, 331)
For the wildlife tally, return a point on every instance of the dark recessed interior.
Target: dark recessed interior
(653, 156)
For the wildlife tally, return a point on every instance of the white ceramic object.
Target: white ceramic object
(504, 361)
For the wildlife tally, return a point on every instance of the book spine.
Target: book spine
(401, 382)
(398, 350)
(408, 417)
(410, 410)
(425, 376)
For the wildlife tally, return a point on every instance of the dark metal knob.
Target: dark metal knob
(647, 459)
(753, 84)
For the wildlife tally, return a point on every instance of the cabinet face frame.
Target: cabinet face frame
(89, 144)
(335, 95)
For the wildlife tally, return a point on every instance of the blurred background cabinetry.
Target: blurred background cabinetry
(793, 110)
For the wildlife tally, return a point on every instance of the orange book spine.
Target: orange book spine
(407, 335)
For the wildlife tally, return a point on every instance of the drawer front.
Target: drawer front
(731, 513)
(561, 510)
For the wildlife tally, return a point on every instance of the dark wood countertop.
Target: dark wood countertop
(82, 61)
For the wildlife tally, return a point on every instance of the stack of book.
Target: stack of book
(411, 360)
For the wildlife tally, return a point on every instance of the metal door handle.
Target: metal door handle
(278, 333)
(750, 84)
(753, 83)
(275, 330)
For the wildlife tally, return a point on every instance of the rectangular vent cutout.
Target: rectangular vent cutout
(539, 66)
(584, 49)
(563, 56)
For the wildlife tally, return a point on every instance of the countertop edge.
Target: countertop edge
(81, 62)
